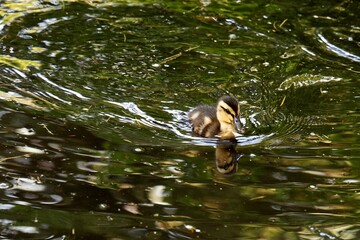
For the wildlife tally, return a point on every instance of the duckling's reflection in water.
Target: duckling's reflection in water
(226, 158)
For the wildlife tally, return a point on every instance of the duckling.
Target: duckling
(222, 120)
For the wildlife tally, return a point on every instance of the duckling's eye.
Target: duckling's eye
(228, 112)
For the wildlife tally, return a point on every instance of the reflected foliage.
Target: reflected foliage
(95, 136)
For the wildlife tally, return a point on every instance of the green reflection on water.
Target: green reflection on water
(21, 64)
(117, 155)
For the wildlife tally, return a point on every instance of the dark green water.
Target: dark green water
(95, 142)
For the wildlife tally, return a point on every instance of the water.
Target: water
(95, 139)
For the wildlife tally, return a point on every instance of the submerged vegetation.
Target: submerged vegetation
(96, 142)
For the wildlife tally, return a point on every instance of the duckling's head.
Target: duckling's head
(228, 113)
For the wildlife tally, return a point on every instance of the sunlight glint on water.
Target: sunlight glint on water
(96, 140)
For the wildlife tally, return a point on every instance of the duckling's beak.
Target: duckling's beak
(237, 123)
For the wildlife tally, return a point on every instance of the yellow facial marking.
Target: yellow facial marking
(227, 108)
(224, 107)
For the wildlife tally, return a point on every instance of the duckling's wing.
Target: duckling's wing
(204, 121)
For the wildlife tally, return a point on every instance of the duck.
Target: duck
(222, 120)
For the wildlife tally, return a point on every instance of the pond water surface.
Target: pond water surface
(96, 142)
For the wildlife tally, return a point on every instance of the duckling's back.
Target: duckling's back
(204, 121)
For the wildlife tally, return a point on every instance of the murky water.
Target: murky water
(93, 115)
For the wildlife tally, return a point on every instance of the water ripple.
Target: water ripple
(66, 90)
(337, 50)
(302, 80)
